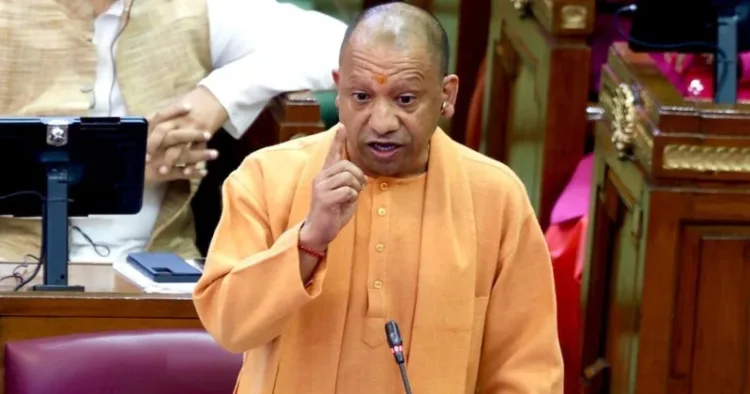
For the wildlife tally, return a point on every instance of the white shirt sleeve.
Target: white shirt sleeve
(261, 48)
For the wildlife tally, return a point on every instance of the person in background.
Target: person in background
(383, 217)
(191, 66)
(693, 74)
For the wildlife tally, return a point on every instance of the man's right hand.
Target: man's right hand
(334, 197)
(162, 138)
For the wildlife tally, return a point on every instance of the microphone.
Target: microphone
(397, 348)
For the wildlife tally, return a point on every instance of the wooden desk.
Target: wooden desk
(110, 303)
(666, 290)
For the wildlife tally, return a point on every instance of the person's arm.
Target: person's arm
(521, 351)
(252, 282)
(261, 48)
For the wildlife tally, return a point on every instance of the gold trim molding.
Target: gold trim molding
(573, 17)
(631, 137)
(706, 158)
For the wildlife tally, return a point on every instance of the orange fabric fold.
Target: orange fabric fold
(441, 336)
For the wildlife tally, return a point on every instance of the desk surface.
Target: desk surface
(108, 294)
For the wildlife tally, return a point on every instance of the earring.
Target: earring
(442, 107)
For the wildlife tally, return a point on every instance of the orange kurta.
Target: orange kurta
(455, 256)
(384, 281)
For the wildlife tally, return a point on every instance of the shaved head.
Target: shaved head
(393, 88)
(402, 26)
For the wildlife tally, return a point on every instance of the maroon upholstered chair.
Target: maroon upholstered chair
(130, 362)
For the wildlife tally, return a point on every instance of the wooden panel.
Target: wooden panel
(538, 93)
(667, 310)
(611, 299)
(666, 285)
(290, 115)
(711, 334)
(473, 30)
(622, 310)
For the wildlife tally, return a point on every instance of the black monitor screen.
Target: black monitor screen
(105, 164)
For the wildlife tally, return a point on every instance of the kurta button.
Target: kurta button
(384, 186)
(380, 247)
(381, 211)
(377, 284)
(86, 89)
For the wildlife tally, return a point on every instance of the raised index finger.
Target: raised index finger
(334, 153)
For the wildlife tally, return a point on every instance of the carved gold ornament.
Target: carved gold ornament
(573, 17)
(623, 122)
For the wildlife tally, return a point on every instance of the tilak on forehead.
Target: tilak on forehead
(381, 79)
(399, 27)
(384, 31)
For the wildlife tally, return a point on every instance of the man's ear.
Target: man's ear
(336, 78)
(450, 93)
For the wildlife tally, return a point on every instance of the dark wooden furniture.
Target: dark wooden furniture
(110, 303)
(537, 92)
(288, 116)
(473, 34)
(667, 279)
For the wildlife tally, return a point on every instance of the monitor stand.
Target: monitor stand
(55, 225)
(725, 70)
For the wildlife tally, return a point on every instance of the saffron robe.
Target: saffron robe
(484, 315)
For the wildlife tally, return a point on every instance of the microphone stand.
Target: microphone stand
(404, 377)
(396, 344)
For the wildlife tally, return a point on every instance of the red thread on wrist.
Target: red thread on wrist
(314, 253)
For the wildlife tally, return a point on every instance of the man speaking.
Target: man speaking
(326, 238)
